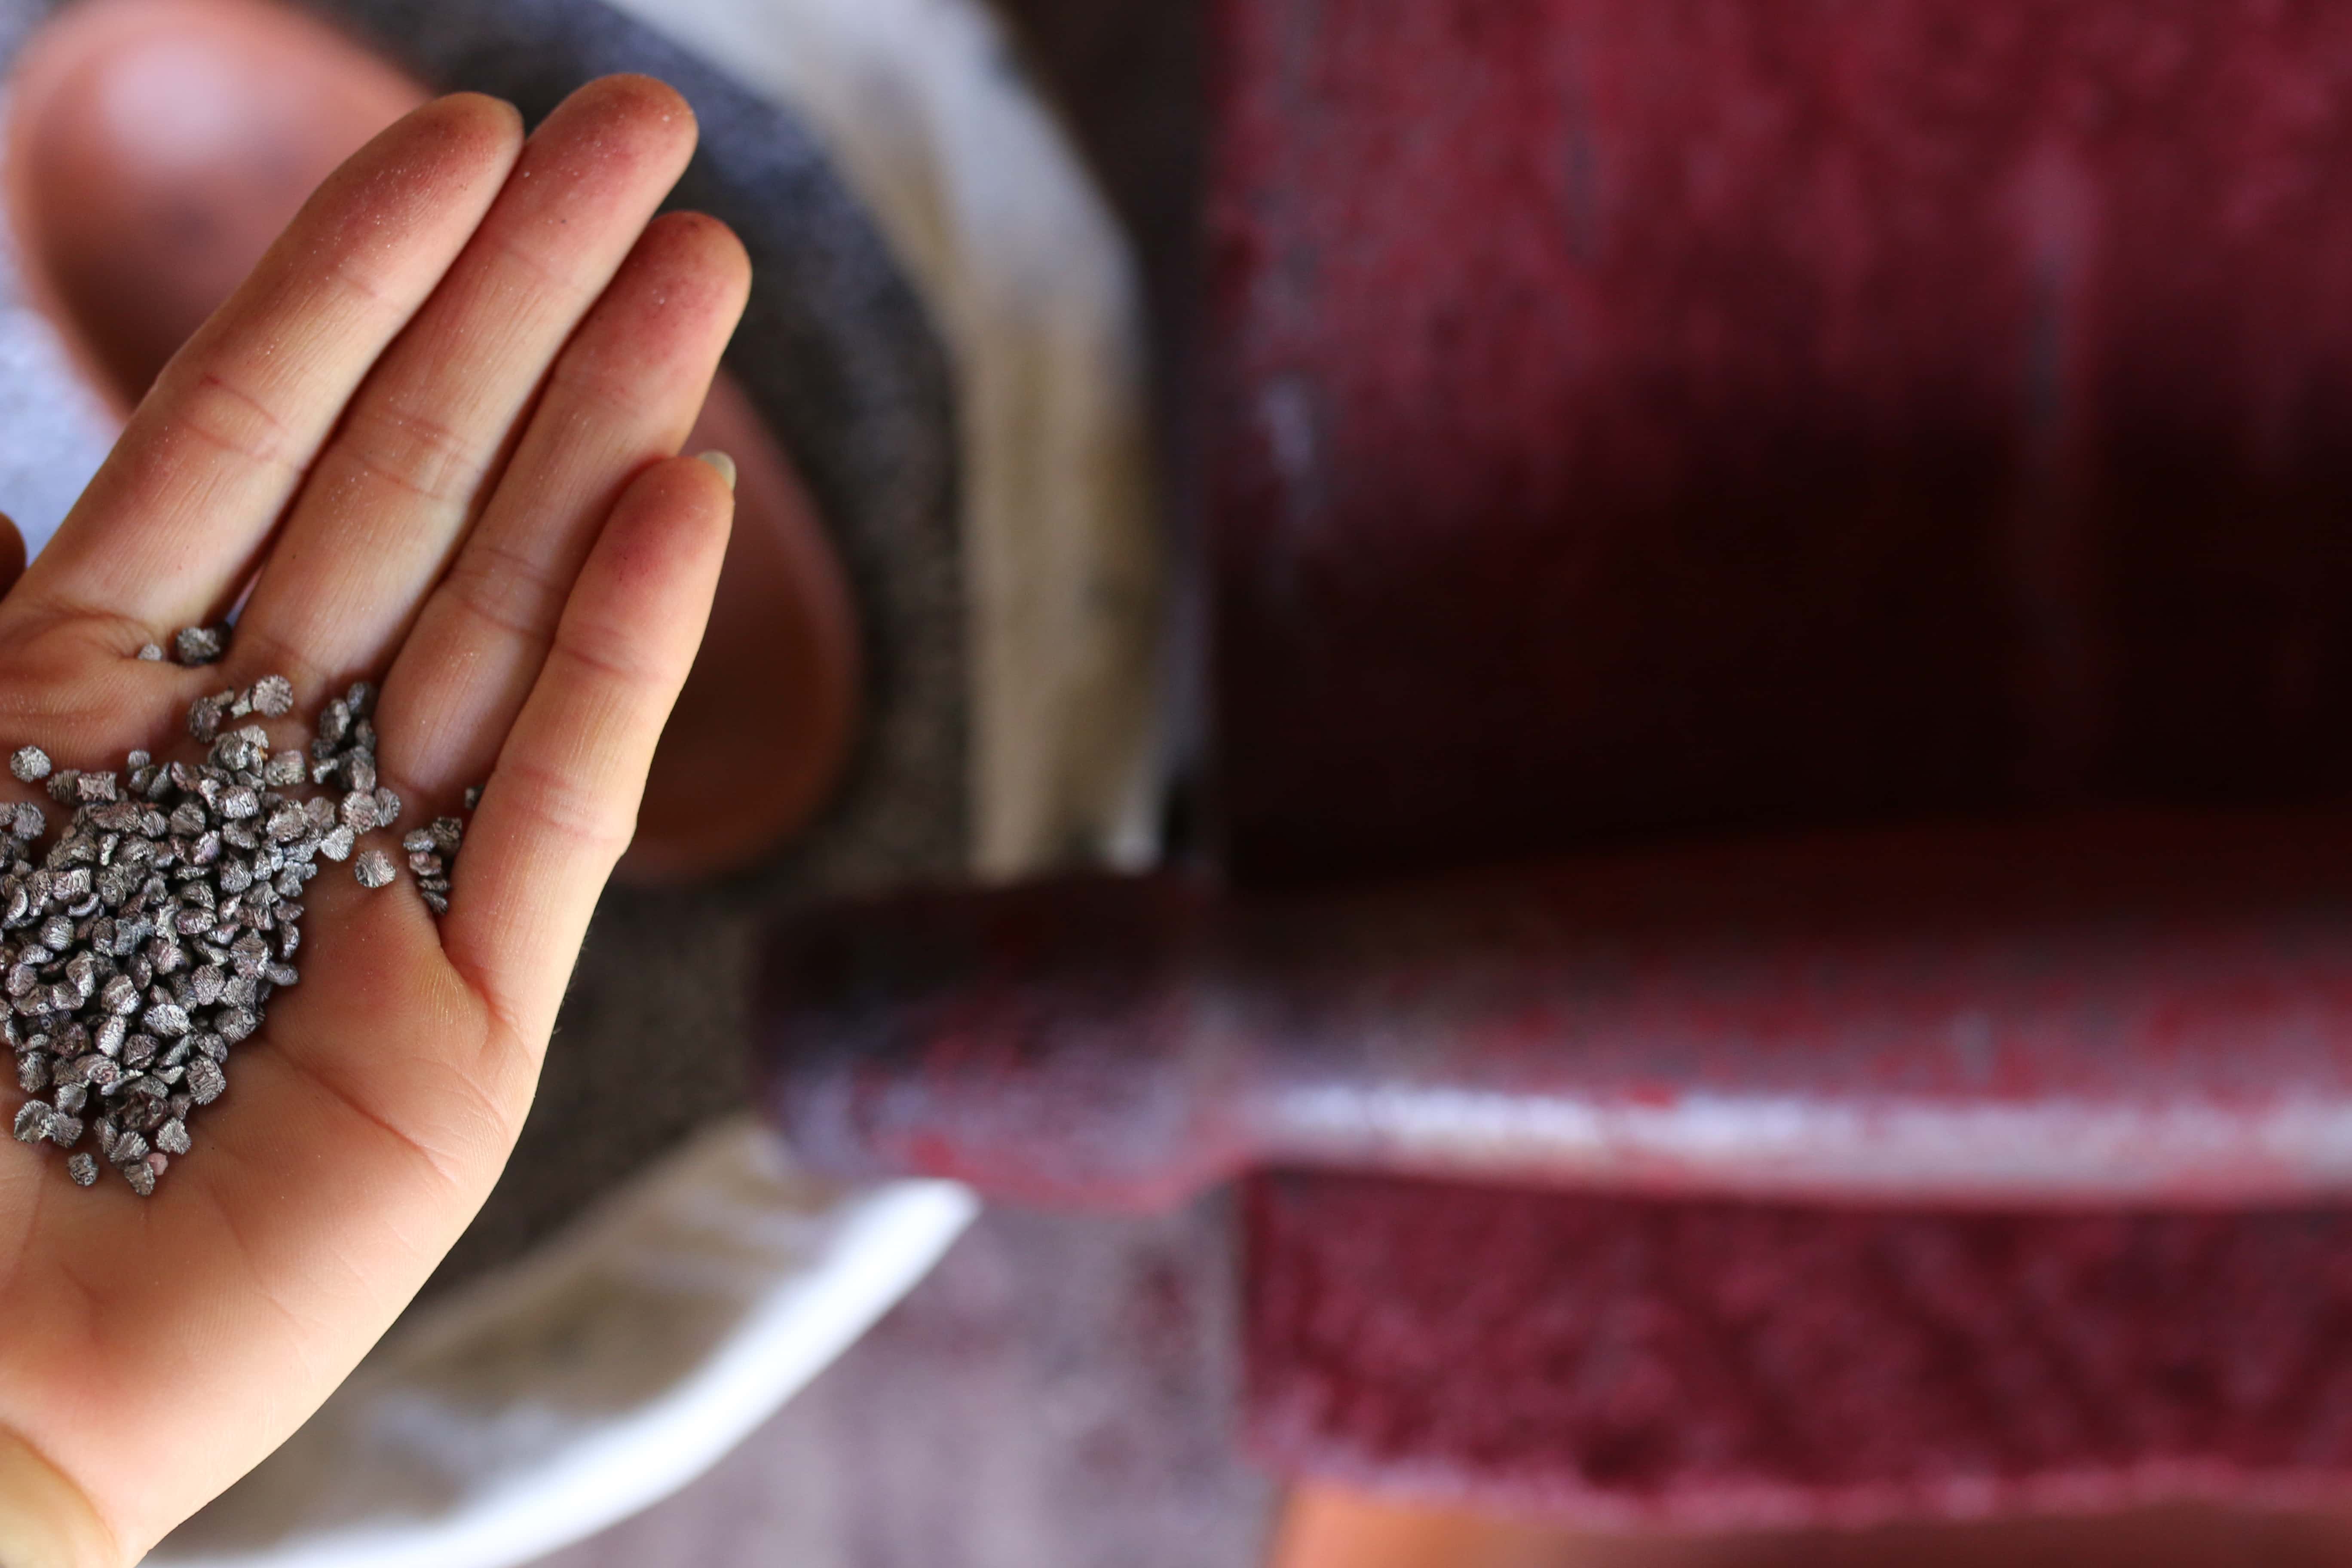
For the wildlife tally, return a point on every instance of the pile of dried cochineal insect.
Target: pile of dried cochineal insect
(145, 942)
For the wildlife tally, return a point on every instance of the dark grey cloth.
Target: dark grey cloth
(837, 353)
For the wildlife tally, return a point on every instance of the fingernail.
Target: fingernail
(722, 463)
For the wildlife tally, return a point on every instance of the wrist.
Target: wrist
(45, 1519)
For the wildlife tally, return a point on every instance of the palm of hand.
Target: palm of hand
(429, 433)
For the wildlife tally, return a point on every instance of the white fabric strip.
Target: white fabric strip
(1032, 286)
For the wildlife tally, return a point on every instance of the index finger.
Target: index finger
(178, 517)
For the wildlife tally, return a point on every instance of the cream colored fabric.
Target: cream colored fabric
(1028, 278)
(545, 1401)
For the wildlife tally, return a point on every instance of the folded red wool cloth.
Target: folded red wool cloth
(1839, 510)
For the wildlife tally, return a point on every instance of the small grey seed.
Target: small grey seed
(273, 695)
(205, 1081)
(33, 1120)
(199, 645)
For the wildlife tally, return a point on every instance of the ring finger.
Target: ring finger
(624, 395)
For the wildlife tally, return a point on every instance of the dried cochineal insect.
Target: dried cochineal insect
(143, 945)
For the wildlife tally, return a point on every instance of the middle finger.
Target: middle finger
(395, 488)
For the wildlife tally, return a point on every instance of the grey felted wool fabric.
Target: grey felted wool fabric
(837, 355)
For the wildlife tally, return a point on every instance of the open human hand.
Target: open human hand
(435, 433)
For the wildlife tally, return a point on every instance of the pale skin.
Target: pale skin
(436, 432)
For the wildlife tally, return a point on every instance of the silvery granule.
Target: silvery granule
(147, 942)
(200, 644)
(272, 695)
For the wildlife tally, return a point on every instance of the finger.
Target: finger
(624, 394)
(561, 803)
(395, 488)
(171, 527)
